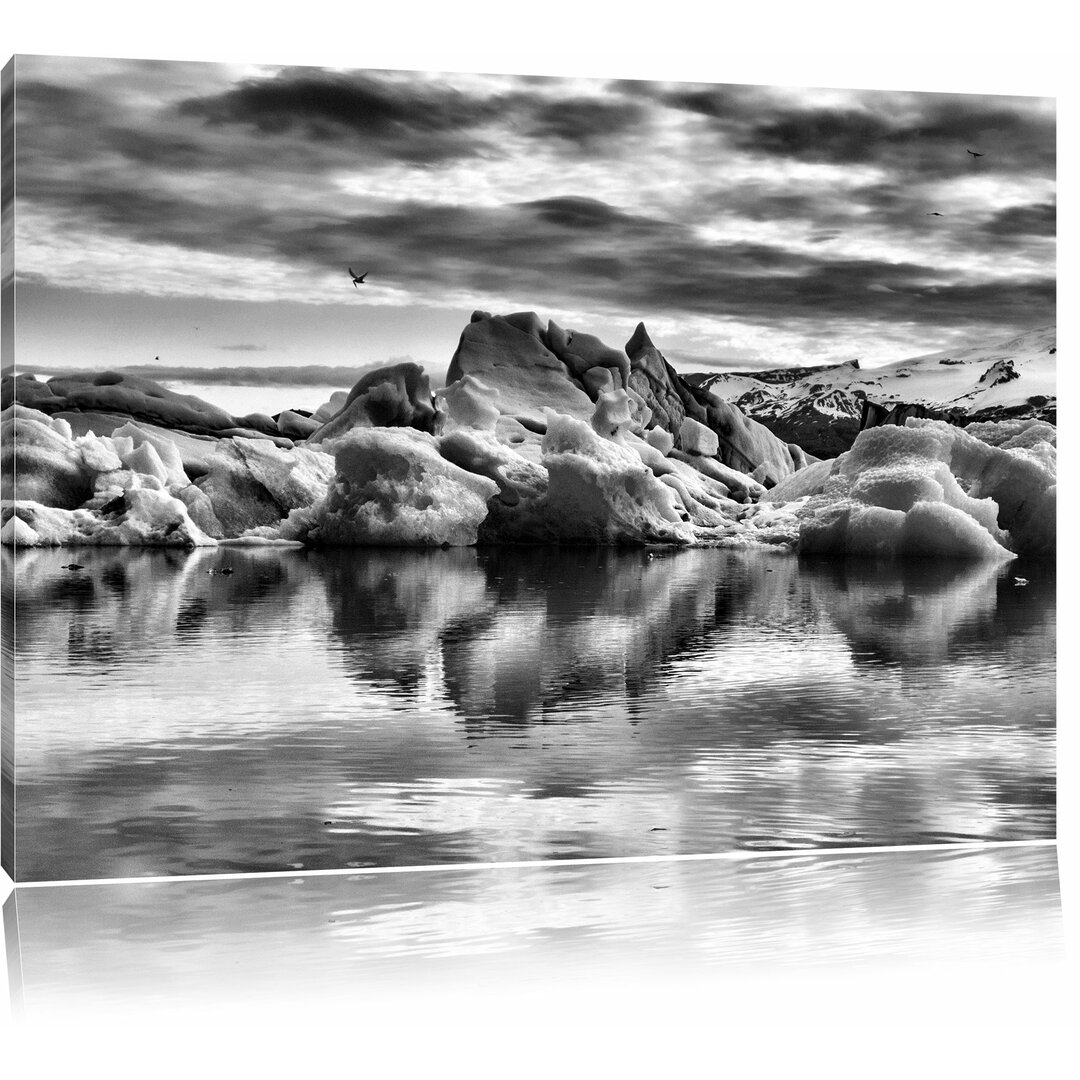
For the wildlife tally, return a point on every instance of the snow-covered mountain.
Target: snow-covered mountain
(822, 409)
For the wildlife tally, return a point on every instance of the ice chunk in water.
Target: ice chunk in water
(930, 488)
(150, 518)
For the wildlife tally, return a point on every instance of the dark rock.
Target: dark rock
(875, 415)
(1001, 371)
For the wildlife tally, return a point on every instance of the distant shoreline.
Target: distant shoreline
(294, 375)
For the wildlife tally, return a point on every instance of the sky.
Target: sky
(204, 214)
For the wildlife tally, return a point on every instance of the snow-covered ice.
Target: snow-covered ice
(928, 488)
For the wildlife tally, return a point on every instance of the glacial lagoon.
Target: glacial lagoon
(317, 709)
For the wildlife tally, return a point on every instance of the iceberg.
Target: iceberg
(120, 393)
(393, 488)
(131, 487)
(927, 489)
(394, 396)
(42, 459)
(593, 482)
(252, 483)
(601, 491)
(148, 517)
(540, 436)
(510, 354)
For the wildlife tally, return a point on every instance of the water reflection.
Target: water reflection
(386, 708)
(127, 604)
(920, 612)
(157, 945)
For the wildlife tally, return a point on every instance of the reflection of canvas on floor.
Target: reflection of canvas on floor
(104, 950)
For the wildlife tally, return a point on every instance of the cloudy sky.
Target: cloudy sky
(205, 214)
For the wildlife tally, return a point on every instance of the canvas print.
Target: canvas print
(415, 468)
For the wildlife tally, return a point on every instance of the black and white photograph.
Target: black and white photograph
(424, 468)
(462, 521)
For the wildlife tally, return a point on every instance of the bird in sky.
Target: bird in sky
(935, 213)
(358, 280)
(973, 154)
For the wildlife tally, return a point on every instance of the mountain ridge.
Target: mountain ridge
(823, 409)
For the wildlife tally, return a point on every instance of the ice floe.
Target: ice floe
(926, 489)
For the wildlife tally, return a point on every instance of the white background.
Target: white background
(938, 1023)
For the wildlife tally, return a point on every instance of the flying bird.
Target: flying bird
(72, 566)
(973, 154)
(934, 213)
(358, 280)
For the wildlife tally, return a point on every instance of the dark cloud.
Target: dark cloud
(419, 122)
(160, 149)
(712, 101)
(561, 249)
(577, 212)
(975, 120)
(1038, 219)
(654, 268)
(39, 94)
(161, 217)
(913, 133)
(584, 122)
(843, 137)
(935, 218)
(58, 124)
(728, 105)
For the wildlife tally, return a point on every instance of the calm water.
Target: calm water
(385, 708)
